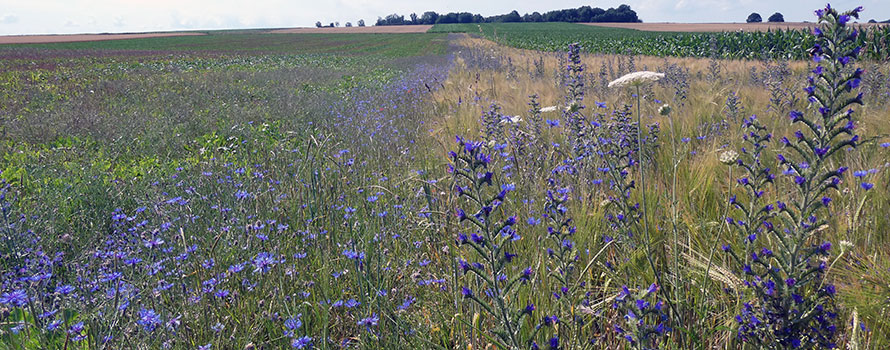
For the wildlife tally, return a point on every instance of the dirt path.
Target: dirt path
(373, 29)
(712, 27)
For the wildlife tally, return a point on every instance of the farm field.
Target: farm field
(43, 39)
(489, 186)
(718, 27)
(366, 30)
(610, 39)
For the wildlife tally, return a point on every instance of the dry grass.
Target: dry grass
(702, 181)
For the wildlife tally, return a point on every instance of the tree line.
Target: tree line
(582, 14)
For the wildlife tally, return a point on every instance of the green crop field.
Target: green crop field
(782, 44)
(222, 41)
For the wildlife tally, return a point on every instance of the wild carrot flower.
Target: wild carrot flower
(636, 79)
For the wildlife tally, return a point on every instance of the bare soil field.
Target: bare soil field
(372, 29)
(63, 38)
(713, 27)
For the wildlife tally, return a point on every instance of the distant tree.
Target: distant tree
(336, 24)
(450, 17)
(754, 18)
(872, 21)
(331, 25)
(391, 20)
(585, 13)
(318, 24)
(348, 24)
(512, 17)
(465, 17)
(776, 17)
(621, 14)
(361, 23)
(429, 17)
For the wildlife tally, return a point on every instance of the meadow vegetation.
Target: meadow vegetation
(248, 191)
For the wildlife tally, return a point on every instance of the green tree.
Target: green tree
(776, 17)
(754, 18)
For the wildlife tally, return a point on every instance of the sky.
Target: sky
(116, 16)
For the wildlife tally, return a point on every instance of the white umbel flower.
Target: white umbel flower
(636, 78)
(729, 157)
(548, 109)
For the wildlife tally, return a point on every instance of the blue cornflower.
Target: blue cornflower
(301, 342)
(263, 262)
(369, 321)
(17, 298)
(148, 319)
(407, 303)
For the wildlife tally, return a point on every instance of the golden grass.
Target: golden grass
(702, 183)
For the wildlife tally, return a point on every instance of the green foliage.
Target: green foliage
(389, 45)
(779, 44)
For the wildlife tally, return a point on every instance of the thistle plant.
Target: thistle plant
(793, 305)
(489, 243)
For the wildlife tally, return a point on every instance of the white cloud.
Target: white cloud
(9, 19)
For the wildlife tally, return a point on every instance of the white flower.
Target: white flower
(574, 107)
(511, 120)
(728, 157)
(636, 78)
(548, 109)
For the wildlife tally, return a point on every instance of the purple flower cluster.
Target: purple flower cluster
(644, 320)
(793, 305)
(490, 240)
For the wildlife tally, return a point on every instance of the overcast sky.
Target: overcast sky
(97, 16)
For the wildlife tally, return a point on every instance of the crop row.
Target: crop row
(783, 44)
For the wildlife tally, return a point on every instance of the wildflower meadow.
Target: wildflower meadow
(445, 191)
